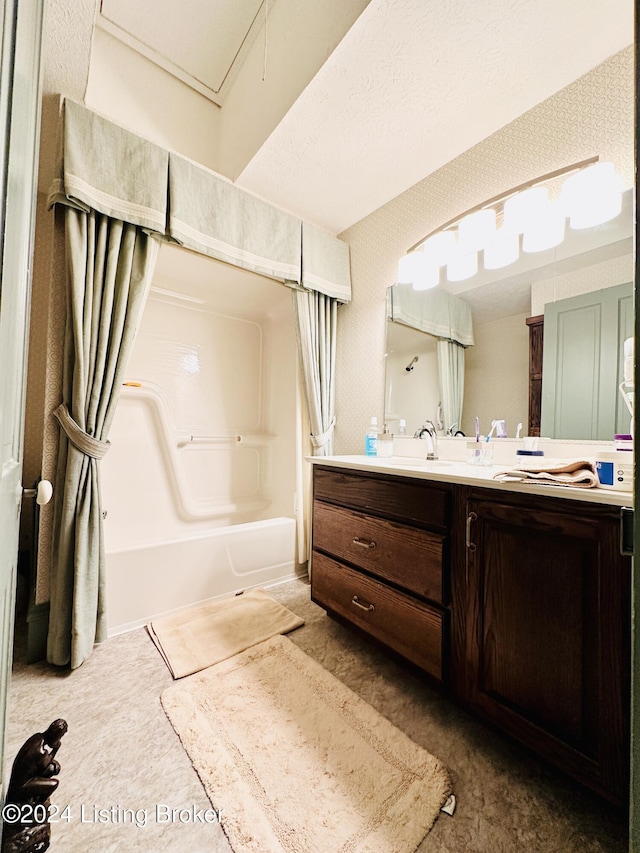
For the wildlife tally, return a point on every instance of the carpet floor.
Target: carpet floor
(121, 755)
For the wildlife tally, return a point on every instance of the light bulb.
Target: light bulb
(523, 210)
(427, 275)
(440, 247)
(408, 267)
(476, 230)
(462, 266)
(503, 251)
(592, 196)
(547, 232)
(418, 270)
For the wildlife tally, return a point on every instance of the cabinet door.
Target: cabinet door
(582, 364)
(547, 636)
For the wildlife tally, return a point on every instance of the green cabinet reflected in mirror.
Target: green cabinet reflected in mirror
(583, 364)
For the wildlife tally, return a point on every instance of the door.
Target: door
(20, 42)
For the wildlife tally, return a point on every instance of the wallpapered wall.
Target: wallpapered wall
(594, 115)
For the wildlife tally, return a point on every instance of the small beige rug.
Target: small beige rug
(202, 636)
(297, 762)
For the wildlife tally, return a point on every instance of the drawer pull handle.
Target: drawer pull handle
(355, 601)
(364, 543)
(470, 518)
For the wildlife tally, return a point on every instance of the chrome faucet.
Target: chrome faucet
(428, 432)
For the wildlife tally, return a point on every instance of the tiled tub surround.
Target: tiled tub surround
(513, 598)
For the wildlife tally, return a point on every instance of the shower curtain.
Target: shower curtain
(316, 322)
(451, 371)
(121, 194)
(316, 319)
(110, 264)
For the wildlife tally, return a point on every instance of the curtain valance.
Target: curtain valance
(433, 311)
(325, 263)
(113, 171)
(212, 216)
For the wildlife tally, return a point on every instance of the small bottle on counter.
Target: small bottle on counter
(371, 438)
(402, 427)
(385, 443)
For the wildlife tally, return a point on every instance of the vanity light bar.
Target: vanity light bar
(591, 195)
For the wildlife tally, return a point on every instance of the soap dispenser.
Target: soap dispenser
(385, 443)
(371, 438)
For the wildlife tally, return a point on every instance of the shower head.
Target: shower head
(409, 367)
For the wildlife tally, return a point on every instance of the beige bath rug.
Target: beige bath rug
(296, 762)
(197, 638)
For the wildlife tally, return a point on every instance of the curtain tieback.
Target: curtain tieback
(322, 438)
(85, 443)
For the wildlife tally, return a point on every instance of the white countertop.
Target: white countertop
(469, 475)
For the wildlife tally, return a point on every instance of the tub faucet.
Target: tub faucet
(428, 432)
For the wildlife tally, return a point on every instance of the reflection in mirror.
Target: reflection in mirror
(496, 374)
(412, 387)
(583, 364)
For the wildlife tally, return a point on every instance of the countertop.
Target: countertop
(461, 473)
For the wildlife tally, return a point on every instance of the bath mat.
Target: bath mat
(294, 762)
(202, 636)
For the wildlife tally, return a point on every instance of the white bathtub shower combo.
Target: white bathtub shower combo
(199, 483)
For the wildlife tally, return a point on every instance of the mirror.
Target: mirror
(497, 366)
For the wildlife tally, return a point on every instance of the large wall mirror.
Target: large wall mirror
(496, 375)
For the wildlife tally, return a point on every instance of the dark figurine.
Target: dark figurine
(26, 827)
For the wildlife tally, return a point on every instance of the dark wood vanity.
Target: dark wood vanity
(516, 605)
(381, 560)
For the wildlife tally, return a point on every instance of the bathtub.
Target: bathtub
(147, 581)
(199, 484)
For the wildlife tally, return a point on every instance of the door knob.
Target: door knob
(42, 492)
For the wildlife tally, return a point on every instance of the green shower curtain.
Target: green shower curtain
(316, 321)
(118, 190)
(109, 266)
(451, 371)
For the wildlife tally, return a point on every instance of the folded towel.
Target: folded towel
(579, 473)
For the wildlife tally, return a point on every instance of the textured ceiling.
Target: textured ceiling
(414, 84)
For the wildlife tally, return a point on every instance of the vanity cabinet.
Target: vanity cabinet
(547, 637)
(380, 560)
(517, 604)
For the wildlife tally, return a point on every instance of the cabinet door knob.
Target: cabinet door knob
(368, 607)
(364, 543)
(470, 518)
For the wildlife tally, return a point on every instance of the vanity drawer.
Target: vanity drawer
(407, 556)
(409, 627)
(398, 497)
